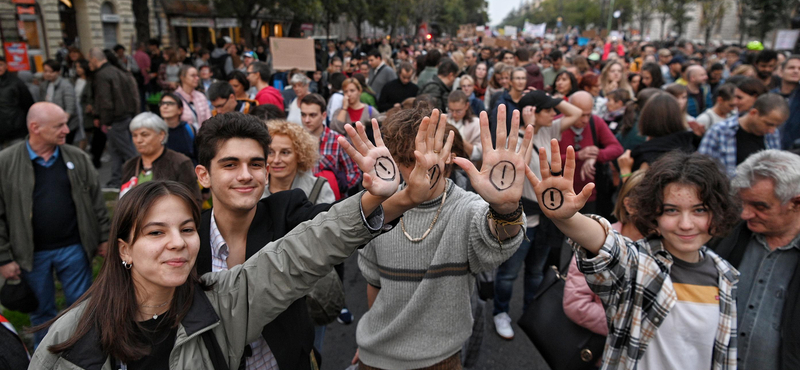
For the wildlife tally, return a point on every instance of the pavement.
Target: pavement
(496, 353)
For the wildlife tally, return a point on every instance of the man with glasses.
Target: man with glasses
(664, 56)
(259, 74)
(223, 99)
(510, 97)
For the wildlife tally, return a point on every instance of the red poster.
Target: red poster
(17, 56)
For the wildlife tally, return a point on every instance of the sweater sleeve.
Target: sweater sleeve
(368, 264)
(581, 305)
(485, 252)
(611, 146)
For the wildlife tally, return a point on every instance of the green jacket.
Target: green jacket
(16, 203)
(243, 299)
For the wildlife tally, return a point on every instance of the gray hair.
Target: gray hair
(151, 121)
(782, 167)
(299, 78)
(97, 53)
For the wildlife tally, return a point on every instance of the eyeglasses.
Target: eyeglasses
(167, 103)
(218, 106)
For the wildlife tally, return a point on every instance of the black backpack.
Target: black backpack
(218, 66)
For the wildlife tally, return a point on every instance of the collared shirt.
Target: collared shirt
(766, 274)
(720, 142)
(262, 358)
(632, 279)
(333, 156)
(39, 160)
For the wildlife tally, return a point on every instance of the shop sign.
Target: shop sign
(307, 26)
(227, 22)
(17, 56)
(110, 18)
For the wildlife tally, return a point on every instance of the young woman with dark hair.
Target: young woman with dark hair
(564, 85)
(661, 123)
(667, 292)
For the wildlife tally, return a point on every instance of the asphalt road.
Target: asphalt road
(496, 353)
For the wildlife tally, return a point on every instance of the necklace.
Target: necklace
(435, 218)
(155, 316)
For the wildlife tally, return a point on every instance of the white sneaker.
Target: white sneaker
(502, 323)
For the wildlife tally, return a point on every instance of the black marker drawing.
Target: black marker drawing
(503, 175)
(553, 198)
(435, 173)
(385, 169)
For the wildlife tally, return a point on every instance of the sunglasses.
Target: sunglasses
(167, 104)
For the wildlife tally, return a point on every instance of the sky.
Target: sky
(498, 9)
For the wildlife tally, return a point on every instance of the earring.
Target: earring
(127, 265)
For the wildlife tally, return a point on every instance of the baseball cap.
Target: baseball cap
(594, 57)
(676, 59)
(755, 45)
(249, 54)
(538, 99)
(227, 40)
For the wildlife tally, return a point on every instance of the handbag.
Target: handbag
(326, 299)
(563, 344)
(17, 295)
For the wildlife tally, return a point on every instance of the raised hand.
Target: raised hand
(431, 155)
(381, 176)
(557, 198)
(502, 174)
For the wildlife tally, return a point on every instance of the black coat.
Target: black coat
(732, 248)
(15, 100)
(291, 335)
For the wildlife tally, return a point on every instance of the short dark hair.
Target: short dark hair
(693, 169)
(118, 47)
(405, 66)
(219, 89)
(556, 55)
(523, 54)
(263, 70)
(222, 127)
(750, 86)
(336, 81)
(770, 102)
(432, 58)
(154, 42)
(446, 67)
(240, 77)
(725, 91)
(375, 53)
(316, 99)
(267, 112)
(716, 67)
(766, 56)
(174, 97)
(55, 66)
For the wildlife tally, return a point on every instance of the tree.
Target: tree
(245, 11)
(767, 15)
(712, 15)
(679, 15)
(141, 14)
(643, 10)
(664, 8)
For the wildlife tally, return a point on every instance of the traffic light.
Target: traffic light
(428, 36)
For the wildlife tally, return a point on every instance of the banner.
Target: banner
(510, 31)
(786, 39)
(288, 53)
(534, 30)
(17, 56)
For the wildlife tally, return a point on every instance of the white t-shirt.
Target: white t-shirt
(709, 118)
(294, 115)
(540, 140)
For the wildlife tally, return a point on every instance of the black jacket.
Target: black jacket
(15, 100)
(291, 335)
(122, 94)
(732, 248)
(438, 91)
(395, 92)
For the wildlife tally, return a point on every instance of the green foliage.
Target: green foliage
(764, 16)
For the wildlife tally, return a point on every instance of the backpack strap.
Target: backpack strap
(318, 184)
(190, 128)
(214, 351)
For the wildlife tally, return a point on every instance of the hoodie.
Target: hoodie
(270, 95)
(535, 78)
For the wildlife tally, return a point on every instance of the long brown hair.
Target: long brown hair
(634, 107)
(111, 304)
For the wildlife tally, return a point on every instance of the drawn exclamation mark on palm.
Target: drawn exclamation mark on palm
(503, 176)
(552, 199)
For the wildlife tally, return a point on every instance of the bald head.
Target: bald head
(696, 75)
(582, 100)
(47, 125)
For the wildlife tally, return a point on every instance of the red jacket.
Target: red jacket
(607, 49)
(270, 95)
(611, 149)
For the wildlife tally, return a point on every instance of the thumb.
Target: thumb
(584, 195)
(531, 176)
(367, 182)
(468, 167)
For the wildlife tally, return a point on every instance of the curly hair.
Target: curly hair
(694, 169)
(305, 146)
(398, 132)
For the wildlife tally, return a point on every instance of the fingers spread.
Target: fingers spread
(544, 167)
(569, 168)
(431, 132)
(468, 167)
(422, 135)
(486, 135)
(376, 133)
(440, 130)
(555, 158)
(513, 137)
(363, 134)
(448, 146)
(531, 176)
(352, 152)
(500, 130)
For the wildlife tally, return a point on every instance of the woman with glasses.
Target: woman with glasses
(155, 161)
(180, 136)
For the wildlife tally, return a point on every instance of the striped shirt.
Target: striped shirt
(633, 280)
(262, 358)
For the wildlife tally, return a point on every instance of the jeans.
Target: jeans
(509, 270)
(319, 337)
(121, 149)
(72, 267)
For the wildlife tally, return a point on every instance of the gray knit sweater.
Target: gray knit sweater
(422, 314)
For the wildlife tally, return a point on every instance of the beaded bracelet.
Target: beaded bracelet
(510, 217)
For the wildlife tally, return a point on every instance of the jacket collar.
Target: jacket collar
(258, 235)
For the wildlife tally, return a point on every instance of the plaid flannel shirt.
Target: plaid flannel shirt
(632, 279)
(333, 154)
(720, 142)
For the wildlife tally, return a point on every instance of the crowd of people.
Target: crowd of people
(663, 174)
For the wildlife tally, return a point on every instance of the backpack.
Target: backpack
(218, 66)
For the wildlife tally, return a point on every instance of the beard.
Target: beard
(763, 74)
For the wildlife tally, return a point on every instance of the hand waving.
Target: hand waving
(431, 155)
(555, 192)
(502, 174)
(381, 176)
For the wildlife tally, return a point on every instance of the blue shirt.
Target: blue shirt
(39, 160)
(720, 142)
(765, 277)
